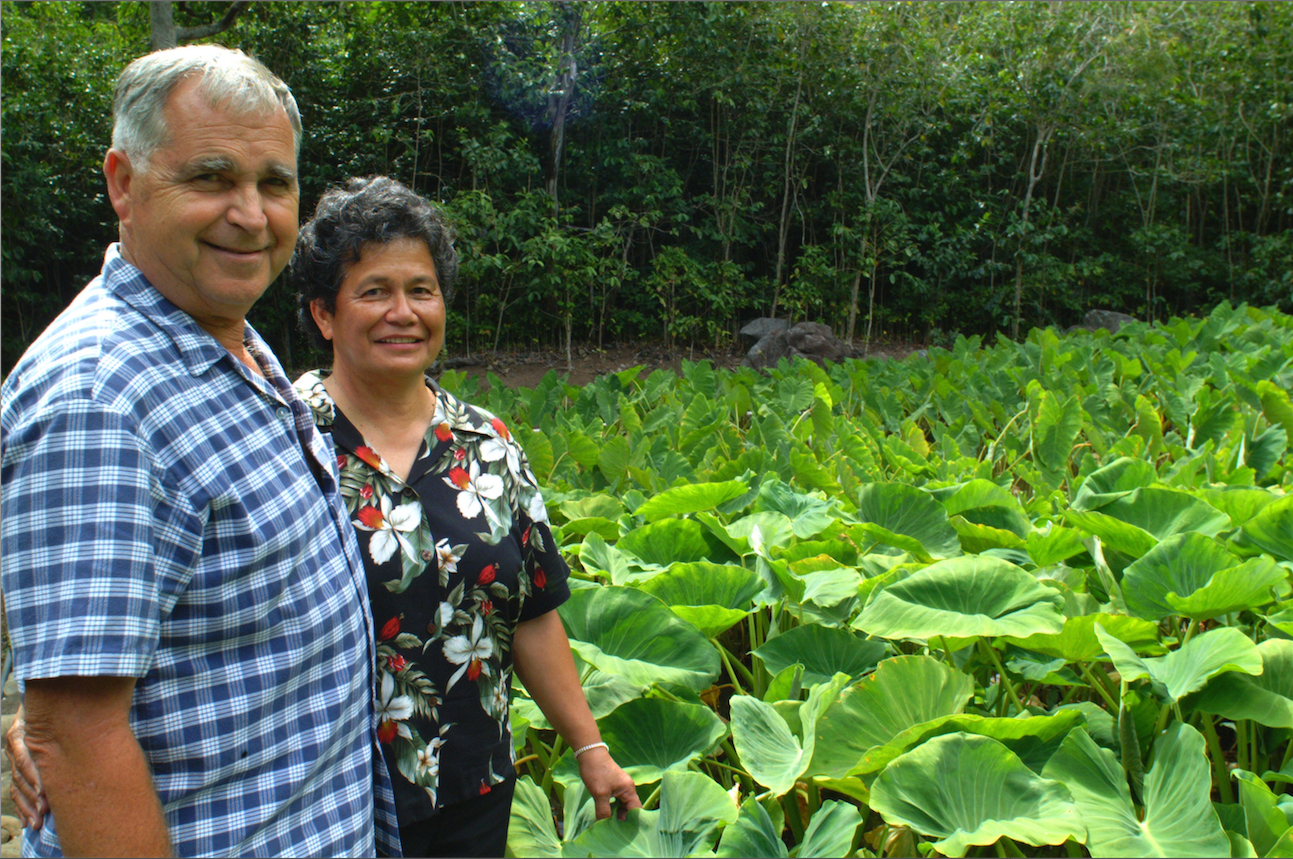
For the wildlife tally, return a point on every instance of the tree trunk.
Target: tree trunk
(787, 171)
(563, 89)
(164, 34)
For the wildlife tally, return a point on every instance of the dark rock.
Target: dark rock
(816, 342)
(770, 349)
(1109, 320)
(757, 329)
(810, 340)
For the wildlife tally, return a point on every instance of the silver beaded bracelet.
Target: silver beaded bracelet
(579, 752)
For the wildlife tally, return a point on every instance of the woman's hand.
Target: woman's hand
(25, 789)
(605, 780)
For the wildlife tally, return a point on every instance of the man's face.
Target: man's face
(214, 218)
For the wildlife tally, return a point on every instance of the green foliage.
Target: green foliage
(888, 169)
(1012, 625)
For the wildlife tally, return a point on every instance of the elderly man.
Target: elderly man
(184, 593)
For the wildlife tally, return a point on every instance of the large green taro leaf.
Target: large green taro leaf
(808, 516)
(598, 556)
(970, 790)
(897, 508)
(962, 598)
(902, 692)
(649, 736)
(1179, 819)
(1271, 530)
(1266, 698)
(1240, 503)
(690, 498)
(830, 831)
(692, 809)
(712, 597)
(774, 529)
(1192, 575)
(773, 750)
(1077, 642)
(669, 541)
(1105, 485)
(753, 834)
(1033, 739)
(974, 494)
(530, 831)
(823, 651)
(1136, 522)
(634, 635)
(1054, 544)
(1265, 822)
(1189, 667)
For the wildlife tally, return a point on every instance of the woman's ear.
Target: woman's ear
(322, 317)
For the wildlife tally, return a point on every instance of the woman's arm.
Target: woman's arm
(541, 654)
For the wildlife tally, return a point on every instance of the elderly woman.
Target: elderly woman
(463, 573)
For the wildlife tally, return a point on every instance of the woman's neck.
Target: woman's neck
(391, 414)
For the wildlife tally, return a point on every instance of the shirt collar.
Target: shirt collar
(198, 349)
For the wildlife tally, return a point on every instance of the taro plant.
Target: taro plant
(1011, 599)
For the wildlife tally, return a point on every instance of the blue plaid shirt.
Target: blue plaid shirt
(169, 515)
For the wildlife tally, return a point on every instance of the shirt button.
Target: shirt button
(284, 414)
(427, 554)
(408, 492)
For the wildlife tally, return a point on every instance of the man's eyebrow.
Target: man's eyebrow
(282, 171)
(210, 165)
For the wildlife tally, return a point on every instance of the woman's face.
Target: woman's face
(389, 317)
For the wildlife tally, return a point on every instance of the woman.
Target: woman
(463, 572)
(464, 576)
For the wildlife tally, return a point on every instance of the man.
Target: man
(184, 594)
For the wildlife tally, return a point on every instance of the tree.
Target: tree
(164, 33)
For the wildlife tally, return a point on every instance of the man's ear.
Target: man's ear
(120, 174)
(322, 318)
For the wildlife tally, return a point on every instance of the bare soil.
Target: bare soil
(525, 369)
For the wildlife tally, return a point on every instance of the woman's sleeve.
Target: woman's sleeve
(541, 557)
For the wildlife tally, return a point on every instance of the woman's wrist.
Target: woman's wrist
(590, 747)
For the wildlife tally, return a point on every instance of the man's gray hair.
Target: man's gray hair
(229, 79)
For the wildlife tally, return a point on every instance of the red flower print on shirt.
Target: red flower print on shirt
(487, 607)
(341, 460)
(397, 663)
(444, 432)
(459, 476)
(501, 429)
(540, 578)
(387, 730)
(390, 630)
(486, 575)
(367, 491)
(525, 537)
(368, 455)
(370, 516)
(484, 788)
(459, 455)
(473, 669)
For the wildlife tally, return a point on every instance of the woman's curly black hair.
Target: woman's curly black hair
(373, 210)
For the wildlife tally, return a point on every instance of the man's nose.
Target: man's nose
(247, 208)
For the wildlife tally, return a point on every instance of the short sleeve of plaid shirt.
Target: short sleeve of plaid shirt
(169, 516)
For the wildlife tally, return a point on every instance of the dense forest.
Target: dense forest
(622, 171)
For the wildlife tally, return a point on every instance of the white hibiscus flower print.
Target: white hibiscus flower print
(475, 490)
(392, 711)
(469, 652)
(390, 524)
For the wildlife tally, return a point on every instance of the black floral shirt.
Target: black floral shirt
(456, 557)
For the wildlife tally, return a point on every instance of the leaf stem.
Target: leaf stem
(991, 653)
(1099, 687)
(790, 802)
(1220, 773)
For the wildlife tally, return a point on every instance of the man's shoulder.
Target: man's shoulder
(94, 350)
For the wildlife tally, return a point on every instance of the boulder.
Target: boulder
(757, 329)
(1109, 320)
(810, 340)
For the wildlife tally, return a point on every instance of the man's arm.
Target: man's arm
(95, 775)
